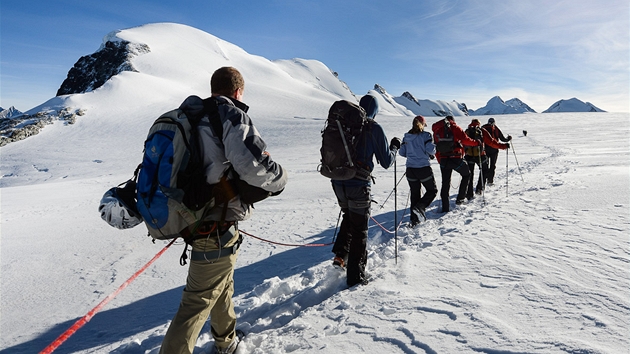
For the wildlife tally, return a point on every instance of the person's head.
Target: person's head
(474, 123)
(418, 124)
(369, 103)
(227, 81)
(449, 119)
(491, 121)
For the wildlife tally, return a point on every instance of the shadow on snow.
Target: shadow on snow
(111, 326)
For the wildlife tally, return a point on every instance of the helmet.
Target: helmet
(115, 211)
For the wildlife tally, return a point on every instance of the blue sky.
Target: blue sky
(465, 50)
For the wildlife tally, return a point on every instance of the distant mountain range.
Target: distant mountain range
(9, 112)
(116, 67)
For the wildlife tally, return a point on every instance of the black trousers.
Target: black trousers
(351, 242)
(418, 177)
(493, 156)
(483, 176)
(447, 166)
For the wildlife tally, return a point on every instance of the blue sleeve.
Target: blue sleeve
(429, 146)
(403, 149)
(384, 155)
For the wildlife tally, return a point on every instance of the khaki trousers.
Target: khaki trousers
(208, 292)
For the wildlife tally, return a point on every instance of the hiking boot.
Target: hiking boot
(423, 213)
(231, 349)
(479, 191)
(338, 262)
(459, 201)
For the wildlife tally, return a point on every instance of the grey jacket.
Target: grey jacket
(417, 148)
(241, 147)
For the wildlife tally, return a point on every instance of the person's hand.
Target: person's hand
(509, 137)
(506, 146)
(395, 144)
(431, 157)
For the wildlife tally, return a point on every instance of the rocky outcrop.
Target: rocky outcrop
(20, 128)
(92, 71)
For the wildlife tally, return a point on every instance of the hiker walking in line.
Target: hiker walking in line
(492, 153)
(354, 198)
(417, 146)
(450, 140)
(477, 156)
(210, 284)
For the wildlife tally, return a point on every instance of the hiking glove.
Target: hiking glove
(509, 137)
(395, 144)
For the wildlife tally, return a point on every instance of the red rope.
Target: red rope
(85, 319)
(383, 227)
(286, 244)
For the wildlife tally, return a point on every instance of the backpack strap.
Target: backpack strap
(211, 107)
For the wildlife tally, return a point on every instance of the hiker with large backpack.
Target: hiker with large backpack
(477, 156)
(350, 141)
(417, 146)
(450, 140)
(233, 156)
(492, 153)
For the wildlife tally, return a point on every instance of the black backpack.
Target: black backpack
(346, 121)
(443, 137)
(475, 134)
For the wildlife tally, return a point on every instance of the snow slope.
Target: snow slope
(540, 264)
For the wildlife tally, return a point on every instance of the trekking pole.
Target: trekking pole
(519, 166)
(337, 226)
(483, 185)
(507, 174)
(395, 214)
(392, 192)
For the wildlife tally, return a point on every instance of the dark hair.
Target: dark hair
(226, 80)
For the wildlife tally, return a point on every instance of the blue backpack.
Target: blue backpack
(172, 193)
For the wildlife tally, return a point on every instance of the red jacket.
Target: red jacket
(496, 133)
(461, 139)
(488, 140)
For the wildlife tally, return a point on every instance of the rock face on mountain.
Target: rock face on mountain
(92, 71)
(572, 105)
(497, 106)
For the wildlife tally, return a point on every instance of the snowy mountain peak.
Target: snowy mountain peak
(496, 100)
(496, 106)
(518, 104)
(10, 112)
(380, 89)
(410, 97)
(572, 105)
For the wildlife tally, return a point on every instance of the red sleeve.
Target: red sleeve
(490, 141)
